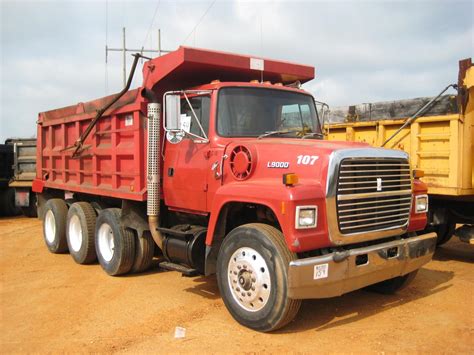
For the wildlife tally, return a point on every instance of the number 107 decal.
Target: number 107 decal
(306, 159)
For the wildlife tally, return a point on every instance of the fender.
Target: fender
(282, 200)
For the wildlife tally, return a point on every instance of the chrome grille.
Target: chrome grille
(373, 194)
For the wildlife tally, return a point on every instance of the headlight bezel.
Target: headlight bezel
(300, 209)
(419, 197)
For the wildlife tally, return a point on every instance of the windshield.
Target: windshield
(255, 112)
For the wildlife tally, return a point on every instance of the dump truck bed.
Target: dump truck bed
(24, 164)
(6, 162)
(112, 163)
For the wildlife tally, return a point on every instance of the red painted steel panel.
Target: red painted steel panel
(113, 162)
(193, 66)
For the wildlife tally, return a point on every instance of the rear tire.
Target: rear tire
(115, 245)
(144, 252)
(80, 232)
(3, 211)
(54, 225)
(391, 286)
(8, 203)
(252, 275)
(30, 211)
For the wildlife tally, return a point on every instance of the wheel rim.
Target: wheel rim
(106, 242)
(50, 226)
(249, 279)
(75, 233)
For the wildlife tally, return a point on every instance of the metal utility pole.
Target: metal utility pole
(159, 43)
(124, 51)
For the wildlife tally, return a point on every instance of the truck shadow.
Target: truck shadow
(205, 287)
(455, 250)
(334, 312)
(323, 314)
(154, 269)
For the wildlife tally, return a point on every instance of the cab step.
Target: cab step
(185, 271)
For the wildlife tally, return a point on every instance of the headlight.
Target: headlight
(306, 217)
(421, 204)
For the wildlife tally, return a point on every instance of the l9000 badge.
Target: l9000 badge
(278, 164)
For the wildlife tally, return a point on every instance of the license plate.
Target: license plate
(321, 271)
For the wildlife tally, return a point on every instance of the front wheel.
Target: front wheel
(445, 232)
(252, 275)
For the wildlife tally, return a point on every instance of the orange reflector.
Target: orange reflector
(254, 81)
(216, 81)
(417, 173)
(283, 207)
(290, 179)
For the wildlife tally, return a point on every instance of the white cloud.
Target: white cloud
(52, 53)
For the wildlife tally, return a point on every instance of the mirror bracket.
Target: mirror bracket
(172, 113)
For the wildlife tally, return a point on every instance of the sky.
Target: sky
(53, 52)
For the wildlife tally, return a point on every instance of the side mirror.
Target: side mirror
(325, 119)
(173, 112)
(323, 116)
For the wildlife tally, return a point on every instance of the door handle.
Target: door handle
(218, 166)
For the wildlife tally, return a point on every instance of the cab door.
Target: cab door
(186, 163)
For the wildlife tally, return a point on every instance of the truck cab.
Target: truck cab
(214, 121)
(243, 153)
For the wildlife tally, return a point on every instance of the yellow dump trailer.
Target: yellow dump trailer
(440, 145)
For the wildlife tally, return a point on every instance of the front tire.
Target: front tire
(114, 244)
(252, 275)
(81, 220)
(445, 232)
(54, 225)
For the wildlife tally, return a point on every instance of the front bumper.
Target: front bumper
(338, 273)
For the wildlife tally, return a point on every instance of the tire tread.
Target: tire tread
(270, 240)
(279, 240)
(60, 210)
(127, 255)
(91, 217)
(144, 252)
(87, 211)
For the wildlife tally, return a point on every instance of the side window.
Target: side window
(292, 116)
(201, 106)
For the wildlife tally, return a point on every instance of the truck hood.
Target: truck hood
(295, 144)
(269, 158)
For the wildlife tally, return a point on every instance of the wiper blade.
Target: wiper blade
(275, 133)
(300, 133)
(312, 134)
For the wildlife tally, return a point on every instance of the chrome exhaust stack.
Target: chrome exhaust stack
(153, 172)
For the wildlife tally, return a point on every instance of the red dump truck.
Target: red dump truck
(217, 164)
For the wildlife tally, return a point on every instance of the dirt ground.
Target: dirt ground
(51, 304)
